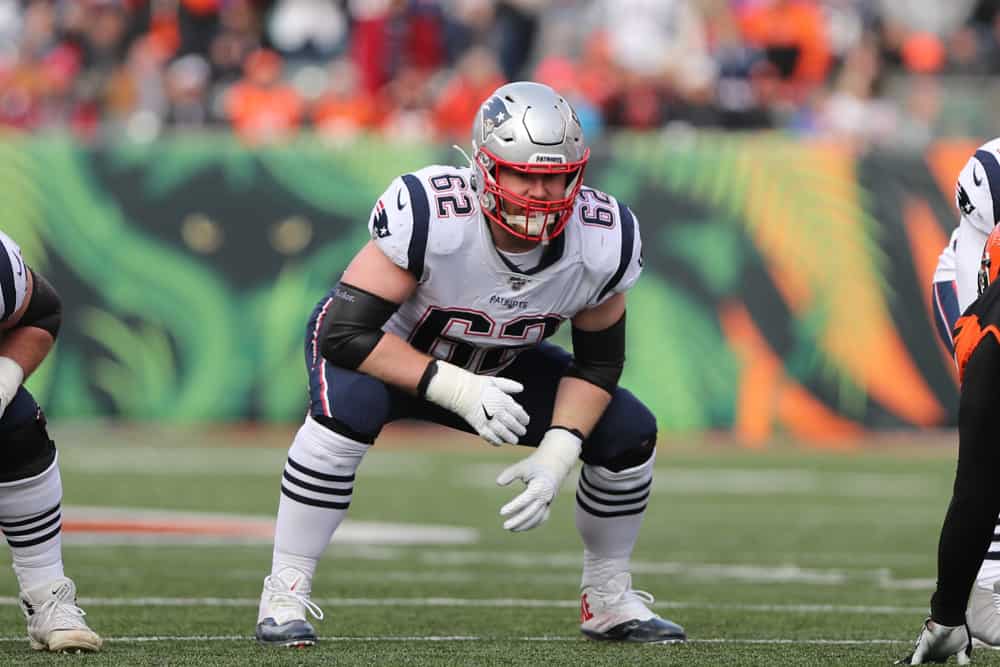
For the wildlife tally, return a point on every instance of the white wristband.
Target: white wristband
(11, 377)
(561, 448)
(445, 388)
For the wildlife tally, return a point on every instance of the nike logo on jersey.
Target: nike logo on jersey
(488, 415)
(975, 177)
(399, 199)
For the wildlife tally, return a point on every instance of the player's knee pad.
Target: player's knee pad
(625, 436)
(634, 457)
(26, 450)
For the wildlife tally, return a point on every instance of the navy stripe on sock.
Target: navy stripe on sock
(39, 540)
(612, 492)
(319, 475)
(25, 522)
(315, 487)
(612, 503)
(34, 529)
(312, 501)
(606, 515)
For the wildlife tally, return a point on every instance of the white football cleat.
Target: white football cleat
(936, 643)
(281, 619)
(983, 616)
(55, 623)
(615, 612)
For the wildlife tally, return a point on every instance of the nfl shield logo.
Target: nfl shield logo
(517, 282)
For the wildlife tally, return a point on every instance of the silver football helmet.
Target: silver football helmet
(530, 128)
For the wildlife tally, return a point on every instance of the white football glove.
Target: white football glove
(11, 377)
(937, 643)
(543, 472)
(482, 400)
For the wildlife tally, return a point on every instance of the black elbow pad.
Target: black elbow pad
(599, 356)
(352, 326)
(44, 309)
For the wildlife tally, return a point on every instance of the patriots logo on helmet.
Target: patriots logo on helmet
(380, 221)
(495, 114)
(964, 202)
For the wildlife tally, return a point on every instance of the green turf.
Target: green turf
(738, 546)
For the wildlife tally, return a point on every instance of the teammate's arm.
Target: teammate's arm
(28, 335)
(369, 292)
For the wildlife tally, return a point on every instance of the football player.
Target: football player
(975, 503)
(443, 316)
(30, 487)
(977, 196)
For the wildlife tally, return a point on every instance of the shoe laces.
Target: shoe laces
(60, 614)
(628, 596)
(996, 600)
(282, 596)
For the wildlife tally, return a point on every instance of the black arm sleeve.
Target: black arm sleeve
(975, 502)
(599, 356)
(352, 326)
(44, 309)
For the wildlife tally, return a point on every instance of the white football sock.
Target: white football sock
(609, 510)
(31, 521)
(316, 490)
(989, 573)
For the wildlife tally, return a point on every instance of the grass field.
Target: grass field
(776, 557)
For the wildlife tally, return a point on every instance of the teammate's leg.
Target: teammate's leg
(612, 493)
(31, 522)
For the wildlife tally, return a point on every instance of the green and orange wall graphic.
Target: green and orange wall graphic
(786, 284)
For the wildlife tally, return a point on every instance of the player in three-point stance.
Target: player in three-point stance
(443, 317)
(30, 487)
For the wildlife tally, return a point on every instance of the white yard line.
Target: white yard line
(517, 603)
(477, 638)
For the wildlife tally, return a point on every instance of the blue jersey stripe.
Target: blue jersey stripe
(628, 239)
(992, 167)
(944, 302)
(421, 221)
(7, 286)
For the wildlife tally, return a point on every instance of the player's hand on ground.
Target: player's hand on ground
(543, 472)
(936, 643)
(482, 400)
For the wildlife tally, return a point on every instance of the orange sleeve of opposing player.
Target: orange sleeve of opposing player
(968, 334)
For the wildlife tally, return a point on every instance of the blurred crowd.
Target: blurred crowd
(417, 69)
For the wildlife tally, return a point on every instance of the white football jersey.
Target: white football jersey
(472, 307)
(13, 278)
(977, 197)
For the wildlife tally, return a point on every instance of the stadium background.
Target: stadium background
(193, 175)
